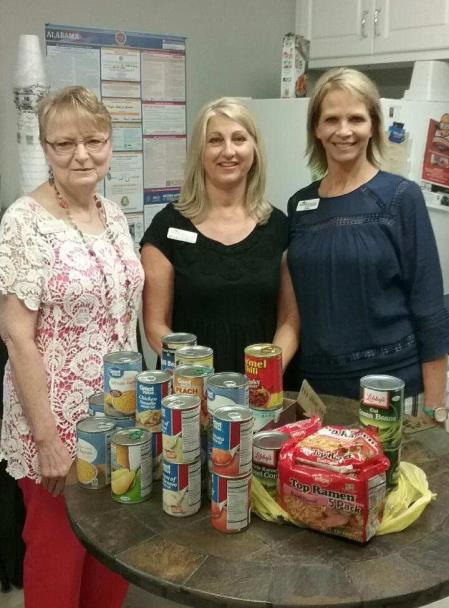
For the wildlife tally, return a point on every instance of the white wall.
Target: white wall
(233, 48)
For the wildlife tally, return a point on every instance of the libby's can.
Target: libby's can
(181, 428)
(181, 488)
(170, 344)
(131, 477)
(232, 435)
(226, 388)
(195, 355)
(266, 449)
(231, 503)
(93, 463)
(96, 404)
(382, 409)
(191, 380)
(263, 366)
(151, 387)
(120, 371)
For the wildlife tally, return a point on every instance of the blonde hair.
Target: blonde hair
(73, 101)
(193, 202)
(355, 83)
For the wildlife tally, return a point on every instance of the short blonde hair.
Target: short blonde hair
(193, 202)
(355, 83)
(73, 101)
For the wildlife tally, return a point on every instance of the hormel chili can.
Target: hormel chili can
(231, 503)
(266, 449)
(181, 428)
(191, 380)
(263, 366)
(170, 344)
(232, 440)
(181, 488)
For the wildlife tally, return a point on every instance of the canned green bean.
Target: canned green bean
(382, 410)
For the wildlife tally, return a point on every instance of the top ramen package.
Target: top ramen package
(334, 481)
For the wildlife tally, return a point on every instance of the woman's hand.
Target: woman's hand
(54, 463)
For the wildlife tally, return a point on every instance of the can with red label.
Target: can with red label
(231, 503)
(170, 344)
(181, 488)
(191, 380)
(263, 366)
(151, 388)
(181, 428)
(232, 441)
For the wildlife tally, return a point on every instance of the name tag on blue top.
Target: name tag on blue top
(308, 205)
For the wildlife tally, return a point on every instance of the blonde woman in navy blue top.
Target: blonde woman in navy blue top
(362, 255)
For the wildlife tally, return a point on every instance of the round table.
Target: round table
(188, 561)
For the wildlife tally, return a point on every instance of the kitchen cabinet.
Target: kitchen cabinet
(355, 32)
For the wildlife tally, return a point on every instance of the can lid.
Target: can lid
(233, 413)
(382, 382)
(194, 350)
(181, 402)
(153, 377)
(174, 339)
(193, 371)
(95, 424)
(132, 436)
(227, 380)
(97, 399)
(270, 439)
(124, 356)
(263, 350)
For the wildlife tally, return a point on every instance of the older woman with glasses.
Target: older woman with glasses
(70, 286)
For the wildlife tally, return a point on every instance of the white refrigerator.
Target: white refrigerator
(282, 123)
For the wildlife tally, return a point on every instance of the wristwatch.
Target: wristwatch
(439, 414)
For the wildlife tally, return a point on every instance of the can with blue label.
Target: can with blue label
(96, 404)
(226, 388)
(170, 344)
(231, 503)
(181, 428)
(232, 441)
(181, 488)
(151, 387)
(156, 452)
(120, 371)
(93, 440)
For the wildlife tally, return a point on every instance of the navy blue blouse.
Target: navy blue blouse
(367, 277)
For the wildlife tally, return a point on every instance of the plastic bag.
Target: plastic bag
(407, 501)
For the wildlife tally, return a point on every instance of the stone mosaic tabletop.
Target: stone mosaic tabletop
(270, 565)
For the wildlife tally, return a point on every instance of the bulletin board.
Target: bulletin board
(141, 78)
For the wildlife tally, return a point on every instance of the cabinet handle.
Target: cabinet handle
(376, 22)
(363, 24)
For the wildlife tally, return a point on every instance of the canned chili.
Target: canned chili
(263, 366)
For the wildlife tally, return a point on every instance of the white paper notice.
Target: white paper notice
(135, 223)
(164, 161)
(163, 76)
(149, 211)
(163, 118)
(120, 64)
(124, 181)
(124, 110)
(110, 88)
(126, 137)
(69, 65)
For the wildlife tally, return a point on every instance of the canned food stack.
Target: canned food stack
(181, 462)
(232, 434)
(170, 344)
(263, 367)
(382, 409)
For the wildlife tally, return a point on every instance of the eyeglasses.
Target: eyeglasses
(66, 147)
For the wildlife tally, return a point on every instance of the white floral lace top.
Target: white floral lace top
(87, 306)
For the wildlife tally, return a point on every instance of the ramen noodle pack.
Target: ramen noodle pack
(334, 481)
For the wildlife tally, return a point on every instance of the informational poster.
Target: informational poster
(140, 78)
(436, 154)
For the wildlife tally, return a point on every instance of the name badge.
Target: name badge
(311, 203)
(182, 235)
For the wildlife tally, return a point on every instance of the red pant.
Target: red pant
(58, 571)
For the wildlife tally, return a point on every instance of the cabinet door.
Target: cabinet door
(341, 28)
(411, 25)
